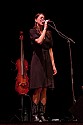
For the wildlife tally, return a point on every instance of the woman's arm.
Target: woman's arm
(52, 60)
(42, 36)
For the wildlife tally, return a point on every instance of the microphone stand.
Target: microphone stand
(69, 40)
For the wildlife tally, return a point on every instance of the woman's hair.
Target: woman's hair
(36, 16)
(35, 25)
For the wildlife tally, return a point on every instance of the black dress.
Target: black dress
(41, 72)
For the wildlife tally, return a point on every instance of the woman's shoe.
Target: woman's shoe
(43, 119)
(42, 112)
(35, 118)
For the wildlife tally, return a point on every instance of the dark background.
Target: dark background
(19, 16)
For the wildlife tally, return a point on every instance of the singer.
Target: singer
(42, 66)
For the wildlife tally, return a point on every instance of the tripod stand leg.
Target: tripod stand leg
(22, 108)
(15, 116)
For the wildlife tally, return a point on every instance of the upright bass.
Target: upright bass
(22, 80)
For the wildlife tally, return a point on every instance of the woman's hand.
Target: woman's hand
(54, 70)
(46, 24)
(82, 87)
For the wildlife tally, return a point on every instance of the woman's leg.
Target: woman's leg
(35, 104)
(43, 96)
(36, 96)
(43, 104)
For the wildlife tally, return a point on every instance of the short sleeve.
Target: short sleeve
(33, 34)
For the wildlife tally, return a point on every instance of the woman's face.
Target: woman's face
(40, 19)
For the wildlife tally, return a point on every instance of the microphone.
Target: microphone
(43, 21)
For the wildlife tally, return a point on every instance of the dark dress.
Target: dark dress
(41, 72)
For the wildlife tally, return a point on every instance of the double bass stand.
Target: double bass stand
(22, 113)
(21, 118)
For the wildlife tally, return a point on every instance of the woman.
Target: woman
(42, 66)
